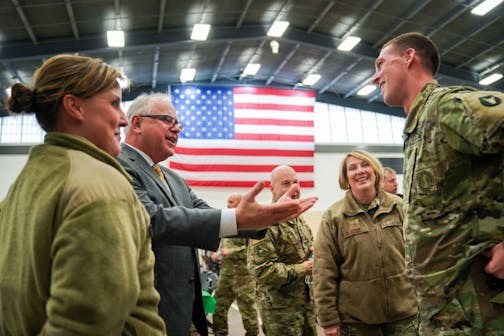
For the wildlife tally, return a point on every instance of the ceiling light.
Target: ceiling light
(200, 31)
(187, 75)
(490, 79)
(278, 28)
(311, 79)
(274, 46)
(366, 90)
(349, 43)
(485, 7)
(251, 69)
(115, 38)
(8, 92)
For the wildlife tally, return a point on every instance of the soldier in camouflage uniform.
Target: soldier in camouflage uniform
(280, 265)
(235, 282)
(453, 190)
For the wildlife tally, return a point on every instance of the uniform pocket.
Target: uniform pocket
(391, 224)
(355, 228)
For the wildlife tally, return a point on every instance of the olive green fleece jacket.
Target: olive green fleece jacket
(359, 270)
(75, 251)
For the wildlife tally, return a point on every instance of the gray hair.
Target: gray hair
(389, 170)
(143, 105)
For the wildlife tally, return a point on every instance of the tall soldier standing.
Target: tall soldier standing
(453, 190)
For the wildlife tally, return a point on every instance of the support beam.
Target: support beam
(71, 17)
(23, 18)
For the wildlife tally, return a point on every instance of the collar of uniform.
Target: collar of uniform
(387, 202)
(418, 103)
(382, 202)
(295, 221)
(352, 207)
(76, 142)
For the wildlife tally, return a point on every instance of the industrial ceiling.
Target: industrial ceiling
(158, 44)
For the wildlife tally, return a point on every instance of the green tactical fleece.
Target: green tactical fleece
(75, 251)
(359, 270)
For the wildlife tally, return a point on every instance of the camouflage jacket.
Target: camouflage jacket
(237, 250)
(453, 187)
(276, 261)
(359, 270)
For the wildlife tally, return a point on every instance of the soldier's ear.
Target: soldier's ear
(409, 56)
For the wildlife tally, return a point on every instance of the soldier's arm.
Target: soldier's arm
(326, 259)
(473, 121)
(265, 264)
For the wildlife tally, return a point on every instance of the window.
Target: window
(333, 125)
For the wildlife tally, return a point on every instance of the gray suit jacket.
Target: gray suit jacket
(180, 223)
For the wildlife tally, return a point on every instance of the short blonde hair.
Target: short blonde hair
(362, 155)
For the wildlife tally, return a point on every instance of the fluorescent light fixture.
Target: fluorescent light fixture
(311, 79)
(115, 38)
(187, 75)
(366, 90)
(485, 7)
(278, 28)
(349, 43)
(274, 46)
(490, 79)
(251, 69)
(200, 31)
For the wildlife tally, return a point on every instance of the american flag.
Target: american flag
(234, 137)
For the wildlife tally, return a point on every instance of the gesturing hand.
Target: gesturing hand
(252, 215)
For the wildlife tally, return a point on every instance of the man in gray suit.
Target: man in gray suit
(180, 220)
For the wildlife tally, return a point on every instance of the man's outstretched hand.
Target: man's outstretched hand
(252, 215)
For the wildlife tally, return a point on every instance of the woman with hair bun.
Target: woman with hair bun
(75, 253)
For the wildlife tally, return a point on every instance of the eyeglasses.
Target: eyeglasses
(165, 118)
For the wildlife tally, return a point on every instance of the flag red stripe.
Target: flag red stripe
(276, 107)
(274, 137)
(232, 168)
(239, 184)
(274, 122)
(273, 92)
(242, 152)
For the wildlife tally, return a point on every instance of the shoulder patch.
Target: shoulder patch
(490, 100)
(425, 180)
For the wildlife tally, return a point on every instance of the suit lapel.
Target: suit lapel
(152, 174)
(175, 187)
(141, 164)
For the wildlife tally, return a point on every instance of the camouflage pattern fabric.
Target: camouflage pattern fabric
(276, 261)
(235, 283)
(454, 208)
(406, 327)
(295, 321)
